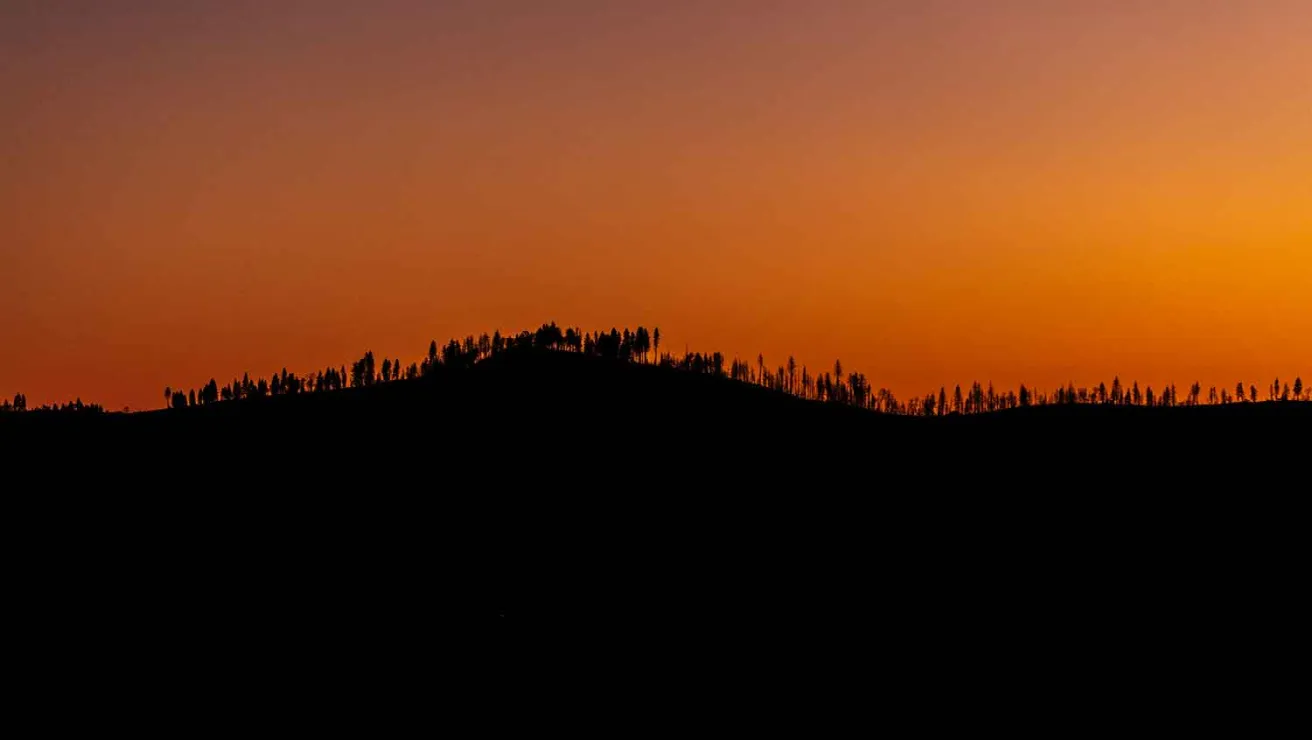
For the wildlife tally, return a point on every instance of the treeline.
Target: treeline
(641, 346)
(20, 404)
(854, 389)
(636, 346)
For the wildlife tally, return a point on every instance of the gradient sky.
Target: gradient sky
(935, 191)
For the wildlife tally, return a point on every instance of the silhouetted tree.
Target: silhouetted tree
(857, 383)
(1298, 388)
(549, 336)
(642, 343)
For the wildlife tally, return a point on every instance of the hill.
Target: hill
(558, 493)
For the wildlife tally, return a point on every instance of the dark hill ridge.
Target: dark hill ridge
(578, 495)
(580, 395)
(531, 424)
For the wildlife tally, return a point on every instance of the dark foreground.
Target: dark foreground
(565, 504)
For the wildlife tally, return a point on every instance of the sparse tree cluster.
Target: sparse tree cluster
(19, 404)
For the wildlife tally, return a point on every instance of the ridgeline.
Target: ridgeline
(559, 492)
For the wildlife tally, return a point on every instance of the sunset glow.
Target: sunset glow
(934, 191)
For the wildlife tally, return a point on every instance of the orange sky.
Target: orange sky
(935, 191)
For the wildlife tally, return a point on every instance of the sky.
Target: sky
(932, 191)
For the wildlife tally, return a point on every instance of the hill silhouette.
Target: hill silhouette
(559, 493)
